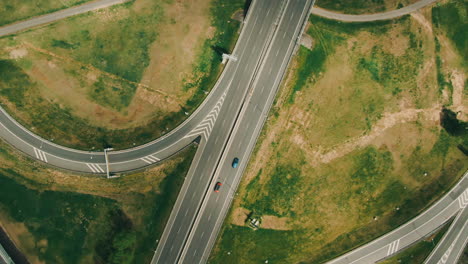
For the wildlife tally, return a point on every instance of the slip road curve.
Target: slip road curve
(453, 203)
(371, 17)
(199, 124)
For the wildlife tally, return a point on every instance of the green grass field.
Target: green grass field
(420, 251)
(87, 220)
(12, 11)
(354, 146)
(102, 66)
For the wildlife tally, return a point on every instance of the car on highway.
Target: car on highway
(235, 163)
(217, 186)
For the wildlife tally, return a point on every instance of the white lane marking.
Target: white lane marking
(195, 252)
(205, 127)
(393, 247)
(186, 212)
(172, 248)
(463, 199)
(217, 198)
(179, 229)
(216, 140)
(95, 168)
(277, 52)
(446, 255)
(271, 68)
(150, 159)
(209, 217)
(268, 12)
(91, 168)
(202, 234)
(284, 35)
(40, 155)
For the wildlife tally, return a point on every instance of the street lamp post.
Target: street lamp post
(107, 161)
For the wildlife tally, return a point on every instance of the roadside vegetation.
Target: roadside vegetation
(120, 76)
(361, 138)
(55, 217)
(12, 10)
(363, 6)
(418, 252)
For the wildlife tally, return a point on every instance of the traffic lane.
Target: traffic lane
(452, 244)
(205, 170)
(404, 237)
(44, 19)
(450, 236)
(243, 138)
(384, 241)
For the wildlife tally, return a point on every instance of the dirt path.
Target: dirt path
(386, 122)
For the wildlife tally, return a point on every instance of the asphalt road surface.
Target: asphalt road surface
(36, 21)
(451, 246)
(371, 17)
(255, 48)
(4, 258)
(412, 231)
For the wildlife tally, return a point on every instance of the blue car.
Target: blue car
(235, 163)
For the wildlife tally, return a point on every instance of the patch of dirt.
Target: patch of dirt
(274, 222)
(460, 104)
(423, 21)
(239, 215)
(399, 43)
(387, 121)
(179, 42)
(18, 53)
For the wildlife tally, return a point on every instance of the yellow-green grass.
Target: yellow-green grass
(353, 147)
(118, 76)
(12, 10)
(56, 217)
(363, 6)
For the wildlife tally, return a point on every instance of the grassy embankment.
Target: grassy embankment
(354, 145)
(418, 252)
(12, 10)
(363, 6)
(118, 76)
(54, 217)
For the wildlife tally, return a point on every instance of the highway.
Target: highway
(452, 244)
(4, 258)
(412, 231)
(267, 42)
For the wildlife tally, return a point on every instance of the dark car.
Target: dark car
(217, 186)
(235, 163)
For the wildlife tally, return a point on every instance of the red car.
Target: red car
(217, 186)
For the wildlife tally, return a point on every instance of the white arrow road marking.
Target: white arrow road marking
(150, 159)
(463, 199)
(393, 247)
(95, 168)
(40, 155)
(205, 127)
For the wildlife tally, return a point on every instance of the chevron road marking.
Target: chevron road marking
(205, 127)
(463, 199)
(40, 155)
(95, 168)
(150, 159)
(393, 247)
